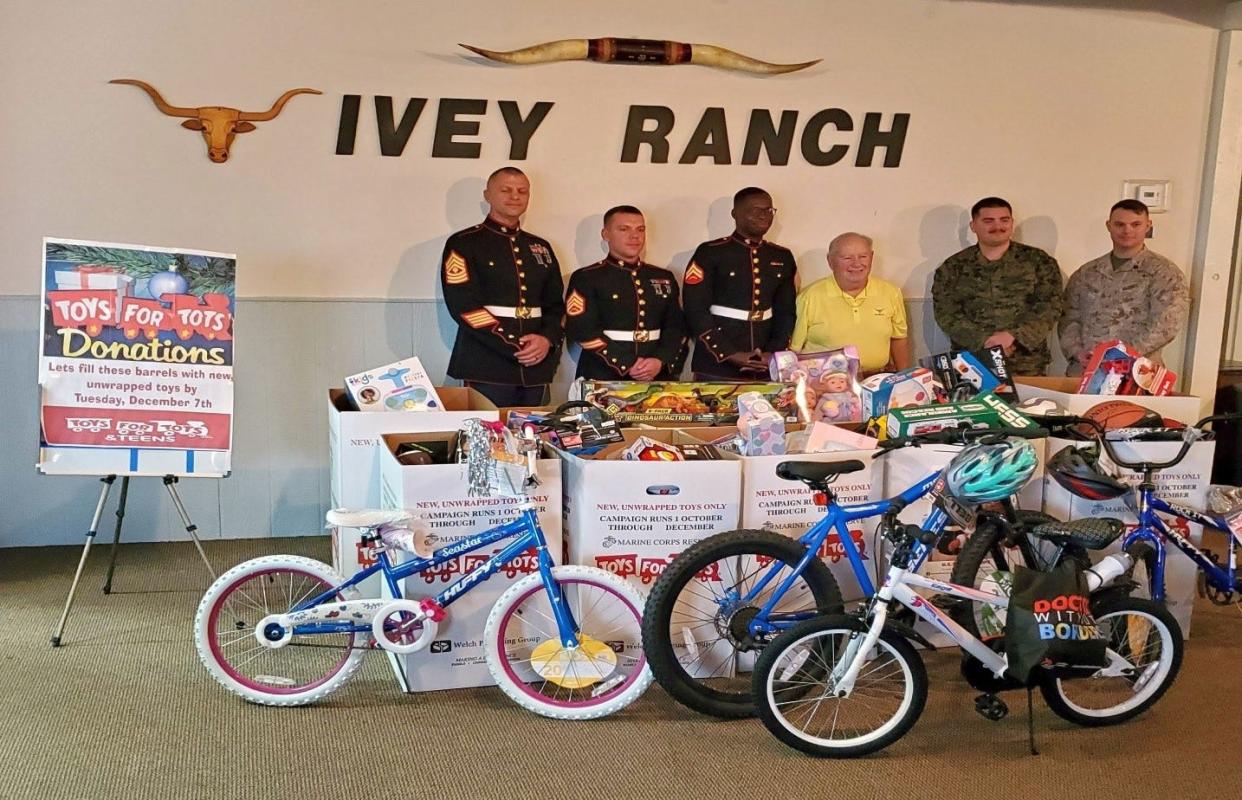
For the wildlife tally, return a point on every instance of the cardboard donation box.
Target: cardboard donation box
(633, 518)
(438, 494)
(1182, 407)
(1185, 484)
(788, 507)
(354, 458)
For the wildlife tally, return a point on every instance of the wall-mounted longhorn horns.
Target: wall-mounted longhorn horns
(218, 124)
(637, 51)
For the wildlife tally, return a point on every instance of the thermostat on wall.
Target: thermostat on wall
(1154, 193)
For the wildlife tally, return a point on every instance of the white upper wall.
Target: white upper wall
(1049, 107)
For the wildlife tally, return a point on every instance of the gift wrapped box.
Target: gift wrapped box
(96, 276)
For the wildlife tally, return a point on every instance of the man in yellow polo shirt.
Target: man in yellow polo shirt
(852, 307)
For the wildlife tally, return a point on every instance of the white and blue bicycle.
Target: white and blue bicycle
(848, 685)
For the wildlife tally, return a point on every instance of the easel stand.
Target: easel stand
(170, 483)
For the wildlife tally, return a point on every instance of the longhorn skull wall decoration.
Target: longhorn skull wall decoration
(637, 51)
(218, 124)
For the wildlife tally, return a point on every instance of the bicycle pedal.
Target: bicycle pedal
(991, 707)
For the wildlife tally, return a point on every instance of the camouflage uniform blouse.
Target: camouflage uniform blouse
(1144, 303)
(1020, 292)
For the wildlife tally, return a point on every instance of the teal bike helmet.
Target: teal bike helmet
(984, 473)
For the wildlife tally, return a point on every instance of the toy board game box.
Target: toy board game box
(403, 386)
(984, 411)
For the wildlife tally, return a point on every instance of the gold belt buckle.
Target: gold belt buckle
(641, 336)
(523, 312)
(756, 316)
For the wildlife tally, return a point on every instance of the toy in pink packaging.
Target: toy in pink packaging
(1116, 368)
(828, 380)
(760, 426)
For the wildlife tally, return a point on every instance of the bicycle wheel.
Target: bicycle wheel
(1147, 637)
(604, 674)
(695, 626)
(307, 667)
(986, 563)
(796, 697)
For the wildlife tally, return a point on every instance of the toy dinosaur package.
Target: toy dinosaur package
(657, 403)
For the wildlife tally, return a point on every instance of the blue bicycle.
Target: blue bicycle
(562, 642)
(723, 599)
(1078, 470)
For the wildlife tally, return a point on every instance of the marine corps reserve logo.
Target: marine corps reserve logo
(694, 274)
(576, 304)
(455, 271)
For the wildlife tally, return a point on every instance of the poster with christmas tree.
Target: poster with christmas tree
(136, 360)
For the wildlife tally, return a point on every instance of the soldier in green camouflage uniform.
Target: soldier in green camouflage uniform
(1131, 294)
(999, 292)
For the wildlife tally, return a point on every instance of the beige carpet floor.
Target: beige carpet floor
(124, 709)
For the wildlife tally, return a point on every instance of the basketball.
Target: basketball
(1114, 414)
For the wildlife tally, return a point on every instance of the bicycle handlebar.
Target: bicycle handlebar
(959, 436)
(1187, 438)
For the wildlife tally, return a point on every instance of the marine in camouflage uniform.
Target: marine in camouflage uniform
(1142, 301)
(1020, 292)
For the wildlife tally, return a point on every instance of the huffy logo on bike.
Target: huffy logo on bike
(648, 570)
(831, 550)
(524, 563)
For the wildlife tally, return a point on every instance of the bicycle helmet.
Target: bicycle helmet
(984, 473)
(1078, 471)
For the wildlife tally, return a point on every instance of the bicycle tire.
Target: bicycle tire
(787, 657)
(518, 679)
(971, 563)
(658, 644)
(276, 688)
(1163, 672)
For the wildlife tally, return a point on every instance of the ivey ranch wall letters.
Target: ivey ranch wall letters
(458, 120)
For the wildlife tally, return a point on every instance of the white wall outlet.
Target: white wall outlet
(1156, 194)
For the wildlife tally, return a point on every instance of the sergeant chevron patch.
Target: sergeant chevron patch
(455, 271)
(576, 304)
(479, 318)
(694, 274)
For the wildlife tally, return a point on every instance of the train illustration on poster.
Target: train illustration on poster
(136, 360)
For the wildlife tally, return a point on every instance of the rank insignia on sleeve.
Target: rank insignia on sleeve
(455, 271)
(576, 304)
(479, 318)
(694, 274)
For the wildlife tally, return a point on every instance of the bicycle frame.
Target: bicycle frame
(1152, 530)
(897, 587)
(528, 534)
(833, 521)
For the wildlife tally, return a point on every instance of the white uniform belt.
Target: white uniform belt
(633, 336)
(520, 312)
(738, 313)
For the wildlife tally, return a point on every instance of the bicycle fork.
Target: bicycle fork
(845, 672)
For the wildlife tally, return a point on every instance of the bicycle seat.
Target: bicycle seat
(1095, 533)
(368, 517)
(816, 471)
